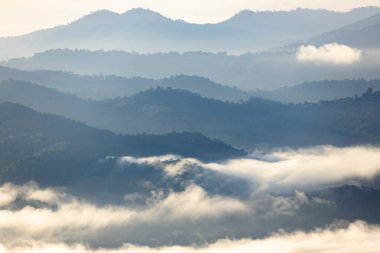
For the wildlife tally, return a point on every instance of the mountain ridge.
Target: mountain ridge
(362, 34)
(101, 87)
(152, 32)
(249, 71)
(256, 123)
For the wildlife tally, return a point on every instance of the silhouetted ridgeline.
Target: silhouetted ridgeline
(108, 87)
(361, 34)
(316, 91)
(251, 124)
(100, 87)
(42, 147)
(147, 31)
(249, 71)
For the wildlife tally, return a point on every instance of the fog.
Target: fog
(288, 169)
(357, 237)
(284, 207)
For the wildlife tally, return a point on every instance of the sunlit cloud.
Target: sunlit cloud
(50, 219)
(68, 218)
(357, 237)
(329, 54)
(288, 169)
(306, 168)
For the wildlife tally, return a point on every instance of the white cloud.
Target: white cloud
(329, 53)
(357, 237)
(288, 169)
(306, 168)
(75, 220)
(7, 194)
(34, 219)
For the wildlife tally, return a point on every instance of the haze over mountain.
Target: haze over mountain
(145, 31)
(134, 132)
(83, 181)
(267, 70)
(29, 137)
(316, 91)
(108, 87)
(252, 124)
(100, 87)
(363, 34)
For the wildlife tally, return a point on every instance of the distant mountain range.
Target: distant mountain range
(269, 70)
(109, 87)
(251, 124)
(316, 91)
(53, 151)
(147, 31)
(56, 152)
(363, 34)
(179, 134)
(31, 142)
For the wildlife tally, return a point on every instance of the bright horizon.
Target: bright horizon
(19, 17)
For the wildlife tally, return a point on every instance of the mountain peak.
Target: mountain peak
(142, 13)
(101, 14)
(97, 17)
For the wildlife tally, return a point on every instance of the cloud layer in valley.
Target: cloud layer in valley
(357, 237)
(203, 212)
(287, 169)
(31, 213)
(307, 168)
(329, 54)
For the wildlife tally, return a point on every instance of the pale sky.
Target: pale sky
(23, 16)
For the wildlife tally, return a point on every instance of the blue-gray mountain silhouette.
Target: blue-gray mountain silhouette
(147, 31)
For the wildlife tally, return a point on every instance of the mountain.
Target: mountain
(80, 160)
(251, 71)
(54, 151)
(363, 34)
(145, 31)
(316, 91)
(256, 123)
(28, 137)
(108, 87)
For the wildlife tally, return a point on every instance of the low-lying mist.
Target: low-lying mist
(293, 200)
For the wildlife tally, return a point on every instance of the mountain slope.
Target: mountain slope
(252, 124)
(316, 91)
(257, 122)
(59, 153)
(53, 151)
(107, 87)
(363, 34)
(267, 70)
(146, 31)
(27, 136)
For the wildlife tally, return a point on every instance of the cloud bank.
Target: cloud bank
(31, 213)
(306, 168)
(203, 211)
(357, 237)
(288, 169)
(329, 54)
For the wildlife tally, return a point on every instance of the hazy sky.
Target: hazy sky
(22, 16)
